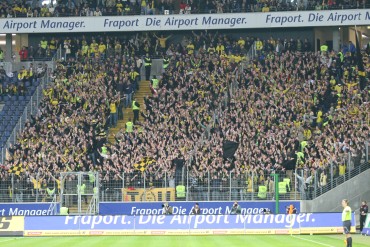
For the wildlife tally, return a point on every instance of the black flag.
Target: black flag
(360, 65)
(229, 148)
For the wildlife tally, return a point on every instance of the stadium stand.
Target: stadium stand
(65, 8)
(287, 107)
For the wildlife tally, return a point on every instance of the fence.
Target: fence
(27, 188)
(319, 181)
(198, 186)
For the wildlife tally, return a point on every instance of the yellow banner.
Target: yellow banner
(11, 225)
(148, 195)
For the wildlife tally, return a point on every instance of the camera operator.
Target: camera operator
(167, 210)
(236, 209)
(195, 209)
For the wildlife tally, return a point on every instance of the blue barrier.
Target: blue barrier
(184, 208)
(184, 224)
(23, 209)
(366, 229)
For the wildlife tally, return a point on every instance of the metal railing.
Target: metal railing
(199, 186)
(27, 188)
(145, 186)
(320, 181)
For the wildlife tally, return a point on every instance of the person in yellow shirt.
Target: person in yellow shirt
(101, 48)
(93, 45)
(144, 7)
(319, 118)
(241, 42)
(307, 134)
(162, 40)
(258, 45)
(238, 58)
(36, 183)
(190, 48)
(342, 169)
(220, 48)
(211, 49)
(44, 10)
(53, 45)
(118, 48)
(266, 8)
(17, 9)
(113, 112)
(23, 10)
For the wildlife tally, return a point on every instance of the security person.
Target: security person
(262, 192)
(136, 110)
(81, 188)
(50, 193)
(148, 66)
(104, 150)
(155, 82)
(64, 211)
(324, 48)
(43, 43)
(180, 192)
(129, 126)
(166, 63)
(282, 189)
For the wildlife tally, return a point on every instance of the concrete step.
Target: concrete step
(144, 90)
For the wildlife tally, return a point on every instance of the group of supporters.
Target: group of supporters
(63, 8)
(287, 108)
(16, 84)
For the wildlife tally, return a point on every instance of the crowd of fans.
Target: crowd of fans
(18, 83)
(63, 8)
(288, 108)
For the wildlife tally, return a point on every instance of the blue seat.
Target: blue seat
(6, 98)
(13, 122)
(32, 89)
(22, 103)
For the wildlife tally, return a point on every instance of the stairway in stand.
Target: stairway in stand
(144, 90)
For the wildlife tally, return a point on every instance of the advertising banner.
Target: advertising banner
(184, 208)
(11, 226)
(148, 195)
(13, 209)
(348, 17)
(366, 229)
(183, 224)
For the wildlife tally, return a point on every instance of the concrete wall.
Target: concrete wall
(355, 190)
